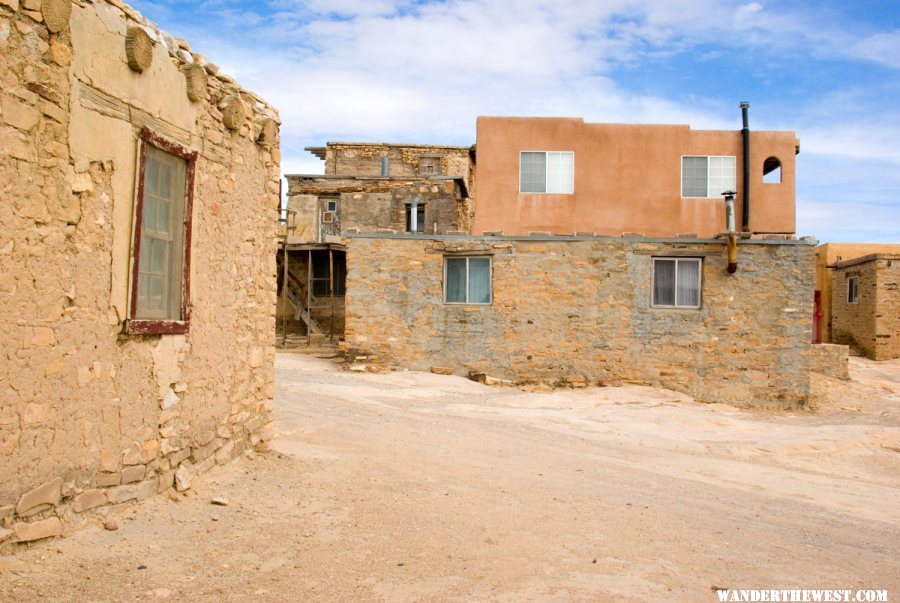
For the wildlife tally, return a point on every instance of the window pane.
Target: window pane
(533, 172)
(456, 280)
(479, 280)
(561, 172)
(158, 256)
(664, 282)
(721, 175)
(688, 286)
(694, 172)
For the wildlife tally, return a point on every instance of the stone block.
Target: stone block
(45, 494)
(5, 534)
(18, 114)
(39, 337)
(109, 460)
(178, 456)
(184, 475)
(224, 453)
(105, 479)
(88, 500)
(134, 473)
(132, 455)
(442, 370)
(147, 488)
(149, 451)
(120, 494)
(38, 530)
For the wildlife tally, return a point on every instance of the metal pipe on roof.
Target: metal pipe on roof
(745, 135)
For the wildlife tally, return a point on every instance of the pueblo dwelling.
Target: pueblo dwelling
(136, 183)
(858, 297)
(603, 254)
(367, 187)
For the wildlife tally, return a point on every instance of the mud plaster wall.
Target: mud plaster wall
(579, 311)
(89, 416)
(872, 325)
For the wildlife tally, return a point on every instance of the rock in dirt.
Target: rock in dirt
(219, 500)
(111, 525)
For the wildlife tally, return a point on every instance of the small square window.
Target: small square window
(331, 206)
(467, 280)
(676, 282)
(853, 290)
(547, 172)
(707, 176)
(430, 166)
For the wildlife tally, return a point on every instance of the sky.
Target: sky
(421, 71)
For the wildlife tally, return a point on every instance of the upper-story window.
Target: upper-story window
(853, 290)
(772, 171)
(547, 172)
(430, 166)
(703, 176)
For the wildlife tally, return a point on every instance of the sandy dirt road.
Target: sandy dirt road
(411, 486)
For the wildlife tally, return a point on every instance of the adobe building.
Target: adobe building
(601, 253)
(367, 187)
(140, 190)
(828, 254)
(865, 304)
(563, 176)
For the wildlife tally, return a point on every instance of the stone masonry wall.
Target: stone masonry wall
(872, 325)
(361, 159)
(90, 416)
(577, 311)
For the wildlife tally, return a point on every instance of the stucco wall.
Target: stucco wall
(580, 310)
(627, 179)
(872, 325)
(89, 415)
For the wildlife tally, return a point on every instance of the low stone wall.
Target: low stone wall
(577, 310)
(832, 360)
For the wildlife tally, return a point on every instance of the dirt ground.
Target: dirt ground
(409, 486)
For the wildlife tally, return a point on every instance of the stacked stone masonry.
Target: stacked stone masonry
(577, 311)
(871, 324)
(89, 415)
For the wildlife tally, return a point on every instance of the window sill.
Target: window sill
(156, 327)
(692, 308)
(446, 303)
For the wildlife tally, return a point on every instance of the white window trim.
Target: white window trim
(490, 260)
(849, 280)
(519, 185)
(681, 178)
(678, 259)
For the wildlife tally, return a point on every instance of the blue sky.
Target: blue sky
(421, 71)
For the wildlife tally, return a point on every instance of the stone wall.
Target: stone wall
(831, 359)
(366, 205)
(364, 159)
(88, 414)
(577, 310)
(871, 326)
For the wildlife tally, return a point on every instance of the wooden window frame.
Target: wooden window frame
(698, 261)
(144, 326)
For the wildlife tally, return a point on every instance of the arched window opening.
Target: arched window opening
(772, 171)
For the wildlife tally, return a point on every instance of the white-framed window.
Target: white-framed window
(467, 280)
(547, 172)
(703, 176)
(853, 290)
(676, 282)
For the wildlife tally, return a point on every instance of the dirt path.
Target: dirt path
(410, 486)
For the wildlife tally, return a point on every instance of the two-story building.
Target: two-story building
(602, 253)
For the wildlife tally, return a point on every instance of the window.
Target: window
(707, 176)
(162, 233)
(547, 172)
(420, 217)
(676, 282)
(853, 290)
(772, 171)
(331, 206)
(467, 280)
(430, 166)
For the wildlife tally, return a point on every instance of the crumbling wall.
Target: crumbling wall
(364, 159)
(871, 326)
(578, 311)
(89, 415)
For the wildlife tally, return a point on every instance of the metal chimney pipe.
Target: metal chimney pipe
(745, 135)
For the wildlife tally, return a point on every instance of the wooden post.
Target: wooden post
(309, 288)
(284, 298)
(331, 292)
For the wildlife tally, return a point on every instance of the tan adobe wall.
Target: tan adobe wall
(830, 253)
(832, 360)
(627, 179)
(88, 415)
(872, 325)
(579, 311)
(369, 204)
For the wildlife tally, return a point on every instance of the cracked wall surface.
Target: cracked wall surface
(88, 415)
